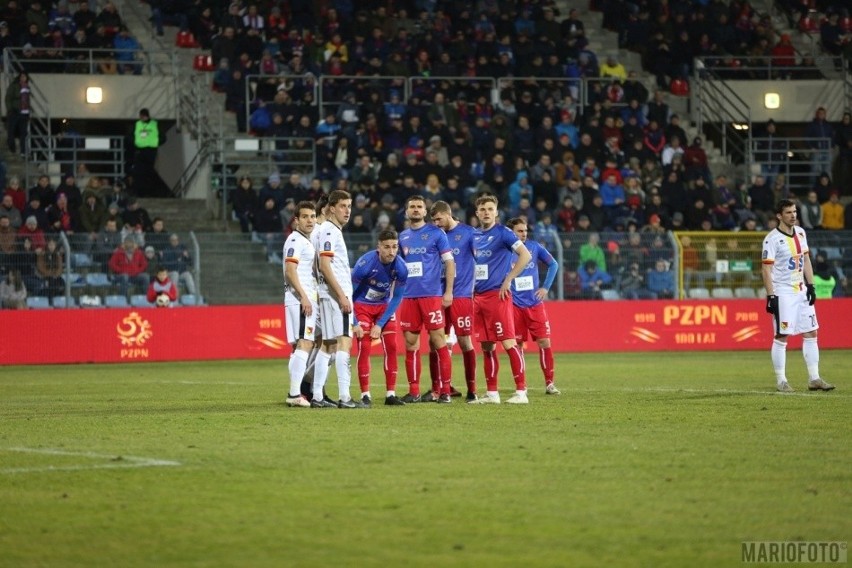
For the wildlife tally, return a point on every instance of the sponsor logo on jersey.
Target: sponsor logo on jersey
(416, 250)
(483, 253)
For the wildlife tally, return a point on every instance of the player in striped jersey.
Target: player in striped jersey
(300, 298)
(790, 295)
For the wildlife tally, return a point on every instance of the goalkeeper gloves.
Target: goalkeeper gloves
(772, 305)
(811, 292)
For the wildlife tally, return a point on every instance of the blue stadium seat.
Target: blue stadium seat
(38, 302)
(699, 294)
(140, 301)
(722, 293)
(747, 293)
(60, 302)
(98, 279)
(81, 260)
(188, 300)
(77, 280)
(610, 295)
(116, 301)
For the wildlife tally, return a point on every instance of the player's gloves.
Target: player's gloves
(772, 305)
(811, 292)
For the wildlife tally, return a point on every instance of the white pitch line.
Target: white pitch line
(133, 461)
(725, 391)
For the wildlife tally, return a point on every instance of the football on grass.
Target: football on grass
(163, 301)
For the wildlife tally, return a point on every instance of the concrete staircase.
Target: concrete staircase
(234, 270)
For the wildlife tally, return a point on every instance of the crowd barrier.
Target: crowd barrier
(257, 332)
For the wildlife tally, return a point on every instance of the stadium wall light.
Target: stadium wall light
(772, 101)
(94, 95)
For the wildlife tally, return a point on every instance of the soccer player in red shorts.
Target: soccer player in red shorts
(527, 295)
(459, 315)
(379, 280)
(494, 319)
(424, 247)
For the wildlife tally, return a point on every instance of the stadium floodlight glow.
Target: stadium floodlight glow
(772, 101)
(739, 126)
(94, 95)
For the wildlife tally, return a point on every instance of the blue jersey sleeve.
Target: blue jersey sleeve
(442, 243)
(543, 255)
(394, 303)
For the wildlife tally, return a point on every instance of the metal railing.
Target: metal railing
(194, 103)
(250, 83)
(89, 61)
(723, 116)
(102, 155)
(744, 68)
(801, 160)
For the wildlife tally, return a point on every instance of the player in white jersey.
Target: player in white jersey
(335, 302)
(790, 296)
(300, 298)
(307, 381)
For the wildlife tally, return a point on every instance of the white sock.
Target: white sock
(522, 393)
(320, 373)
(363, 394)
(779, 360)
(810, 350)
(298, 362)
(390, 393)
(493, 394)
(344, 374)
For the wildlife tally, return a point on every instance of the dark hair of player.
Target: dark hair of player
(487, 198)
(440, 207)
(511, 223)
(322, 202)
(309, 205)
(415, 197)
(784, 204)
(387, 235)
(337, 196)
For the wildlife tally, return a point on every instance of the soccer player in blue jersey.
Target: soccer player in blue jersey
(527, 298)
(459, 315)
(424, 247)
(379, 280)
(494, 320)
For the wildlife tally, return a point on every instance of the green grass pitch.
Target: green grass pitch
(647, 459)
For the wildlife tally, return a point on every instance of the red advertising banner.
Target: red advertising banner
(248, 332)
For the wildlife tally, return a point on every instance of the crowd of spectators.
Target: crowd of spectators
(54, 38)
(107, 231)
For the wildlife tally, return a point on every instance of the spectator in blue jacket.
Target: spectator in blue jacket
(593, 280)
(661, 280)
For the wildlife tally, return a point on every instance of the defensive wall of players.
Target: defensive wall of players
(257, 332)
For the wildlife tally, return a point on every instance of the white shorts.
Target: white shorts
(795, 316)
(298, 325)
(333, 322)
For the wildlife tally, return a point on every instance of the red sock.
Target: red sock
(412, 371)
(434, 371)
(469, 358)
(364, 348)
(391, 369)
(516, 360)
(546, 358)
(492, 367)
(446, 366)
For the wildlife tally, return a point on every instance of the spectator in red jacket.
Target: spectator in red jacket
(162, 285)
(128, 265)
(31, 230)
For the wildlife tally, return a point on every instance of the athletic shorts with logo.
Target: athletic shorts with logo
(369, 314)
(416, 313)
(299, 326)
(795, 316)
(493, 318)
(531, 322)
(459, 316)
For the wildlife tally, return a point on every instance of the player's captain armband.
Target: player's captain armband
(415, 269)
(480, 273)
(516, 245)
(523, 283)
